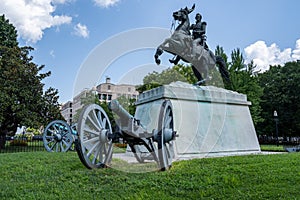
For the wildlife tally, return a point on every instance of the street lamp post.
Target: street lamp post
(276, 125)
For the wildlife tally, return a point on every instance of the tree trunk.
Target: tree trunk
(2, 139)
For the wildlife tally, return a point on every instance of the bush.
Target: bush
(119, 145)
(18, 143)
(26, 136)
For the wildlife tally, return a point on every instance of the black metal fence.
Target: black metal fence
(292, 141)
(23, 144)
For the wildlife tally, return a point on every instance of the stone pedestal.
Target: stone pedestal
(210, 121)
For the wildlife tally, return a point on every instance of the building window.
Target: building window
(104, 96)
(129, 89)
(108, 87)
(109, 97)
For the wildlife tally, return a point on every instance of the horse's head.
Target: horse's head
(182, 14)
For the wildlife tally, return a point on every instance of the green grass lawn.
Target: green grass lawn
(268, 147)
(43, 175)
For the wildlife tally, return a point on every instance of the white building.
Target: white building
(106, 92)
(66, 111)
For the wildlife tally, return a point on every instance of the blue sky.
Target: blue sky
(65, 33)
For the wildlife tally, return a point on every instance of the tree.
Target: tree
(186, 72)
(8, 33)
(22, 99)
(220, 52)
(244, 80)
(156, 79)
(281, 93)
(127, 104)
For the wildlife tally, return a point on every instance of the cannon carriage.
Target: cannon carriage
(95, 136)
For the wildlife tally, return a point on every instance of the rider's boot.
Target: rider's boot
(206, 46)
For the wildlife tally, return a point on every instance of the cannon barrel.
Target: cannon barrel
(127, 122)
(116, 107)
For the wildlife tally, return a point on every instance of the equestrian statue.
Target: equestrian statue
(192, 48)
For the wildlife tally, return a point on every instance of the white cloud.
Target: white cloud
(60, 1)
(296, 51)
(32, 17)
(105, 3)
(263, 56)
(81, 30)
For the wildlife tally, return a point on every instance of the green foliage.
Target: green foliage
(156, 79)
(281, 93)
(18, 142)
(274, 148)
(33, 131)
(43, 175)
(244, 80)
(26, 137)
(220, 52)
(8, 33)
(120, 145)
(50, 106)
(186, 72)
(23, 101)
(22, 98)
(127, 104)
(109, 113)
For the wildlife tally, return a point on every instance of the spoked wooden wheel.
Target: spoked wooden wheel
(94, 145)
(165, 136)
(58, 136)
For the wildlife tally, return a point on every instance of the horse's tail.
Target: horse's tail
(223, 69)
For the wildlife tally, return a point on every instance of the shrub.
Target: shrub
(17, 142)
(119, 145)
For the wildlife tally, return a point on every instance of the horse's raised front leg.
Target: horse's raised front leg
(158, 52)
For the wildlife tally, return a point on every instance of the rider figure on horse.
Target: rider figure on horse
(198, 33)
(199, 30)
(193, 50)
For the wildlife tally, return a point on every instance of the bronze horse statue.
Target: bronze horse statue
(182, 44)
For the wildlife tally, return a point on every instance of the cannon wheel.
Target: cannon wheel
(94, 146)
(57, 136)
(165, 148)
